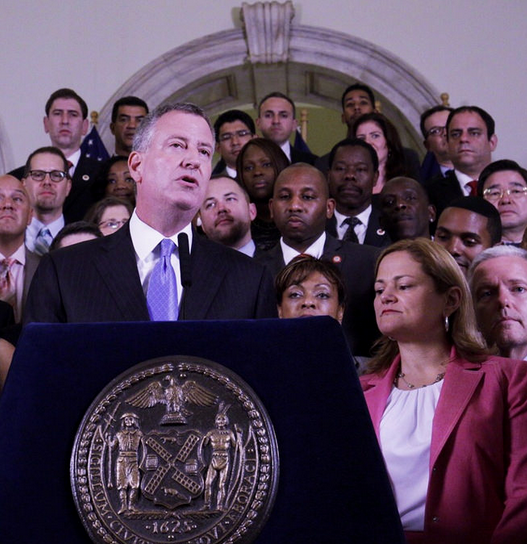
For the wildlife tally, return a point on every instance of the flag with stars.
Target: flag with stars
(93, 147)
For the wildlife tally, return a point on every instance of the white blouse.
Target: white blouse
(405, 436)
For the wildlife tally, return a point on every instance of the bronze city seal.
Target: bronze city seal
(175, 450)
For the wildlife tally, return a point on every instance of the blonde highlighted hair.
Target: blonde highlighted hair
(440, 266)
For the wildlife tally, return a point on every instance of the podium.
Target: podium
(333, 486)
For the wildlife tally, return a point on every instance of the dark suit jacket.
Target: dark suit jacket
(302, 156)
(357, 264)
(98, 281)
(32, 261)
(375, 235)
(80, 198)
(443, 190)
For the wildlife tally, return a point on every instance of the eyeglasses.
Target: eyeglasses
(56, 176)
(112, 224)
(227, 136)
(436, 131)
(494, 194)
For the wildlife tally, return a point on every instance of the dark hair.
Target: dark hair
(233, 115)
(358, 87)
(144, 132)
(67, 93)
(396, 163)
(487, 119)
(277, 94)
(479, 205)
(355, 142)
(499, 166)
(240, 185)
(303, 266)
(277, 157)
(427, 113)
(127, 101)
(98, 188)
(51, 151)
(79, 227)
(94, 214)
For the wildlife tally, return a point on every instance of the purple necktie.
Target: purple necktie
(162, 289)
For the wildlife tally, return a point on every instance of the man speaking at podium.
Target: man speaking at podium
(145, 271)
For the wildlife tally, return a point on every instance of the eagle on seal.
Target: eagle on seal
(174, 396)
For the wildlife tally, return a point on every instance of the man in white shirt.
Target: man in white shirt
(277, 121)
(48, 184)
(498, 281)
(17, 264)
(171, 165)
(300, 207)
(352, 175)
(226, 215)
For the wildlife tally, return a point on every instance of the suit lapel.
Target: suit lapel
(377, 396)
(115, 261)
(198, 298)
(459, 387)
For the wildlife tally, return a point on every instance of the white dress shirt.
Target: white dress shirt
(360, 229)
(146, 240)
(74, 159)
(316, 249)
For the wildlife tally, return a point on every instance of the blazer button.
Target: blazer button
(435, 519)
(434, 469)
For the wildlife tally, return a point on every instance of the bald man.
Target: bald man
(17, 263)
(300, 207)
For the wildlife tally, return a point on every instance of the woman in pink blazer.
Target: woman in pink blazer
(451, 420)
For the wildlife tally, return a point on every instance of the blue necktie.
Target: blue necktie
(42, 241)
(162, 289)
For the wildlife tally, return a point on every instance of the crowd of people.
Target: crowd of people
(422, 262)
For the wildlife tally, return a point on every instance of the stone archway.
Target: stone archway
(216, 72)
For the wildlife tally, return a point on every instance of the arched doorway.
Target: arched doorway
(215, 72)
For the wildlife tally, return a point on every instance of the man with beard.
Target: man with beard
(353, 172)
(48, 184)
(466, 227)
(226, 215)
(405, 209)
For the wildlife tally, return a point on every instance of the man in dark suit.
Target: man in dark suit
(66, 122)
(300, 207)
(277, 121)
(433, 128)
(471, 141)
(110, 279)
(353, 172)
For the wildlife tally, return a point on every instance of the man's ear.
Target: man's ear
(493, 140)
(46, 125)
(135, 166)
(252, 211)
(330, 207)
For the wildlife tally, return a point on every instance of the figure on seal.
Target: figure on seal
(129, 439)
(222, 441)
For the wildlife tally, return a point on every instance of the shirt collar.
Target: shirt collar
(145, 239)
(363, 216)
(19, 255)
(286, 148)
(36, 226)
(74, 159)
(316, 249)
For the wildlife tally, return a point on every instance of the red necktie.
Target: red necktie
(473, 187)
